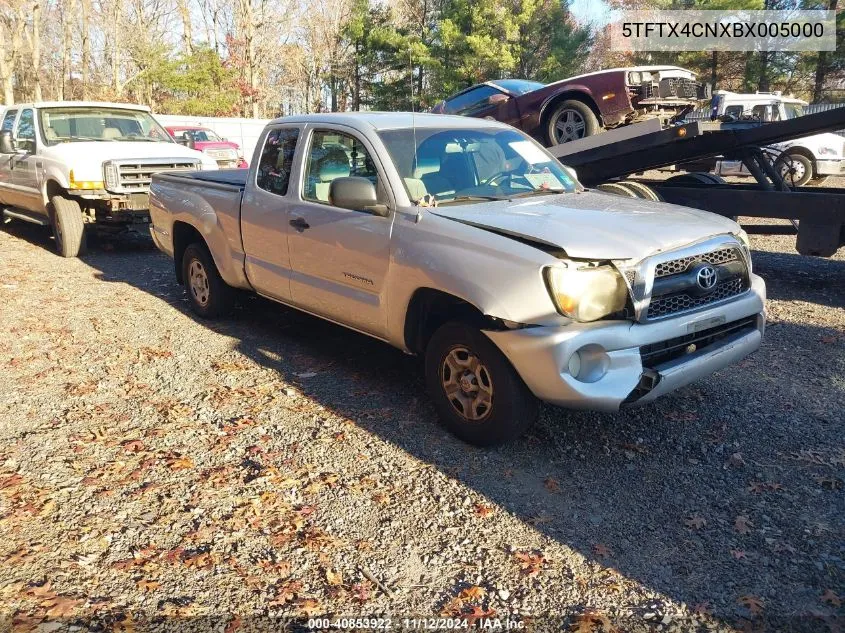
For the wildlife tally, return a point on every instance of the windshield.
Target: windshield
(793, 110)
(198, 135)
(469, 165)
(518, 86)
(65, 125)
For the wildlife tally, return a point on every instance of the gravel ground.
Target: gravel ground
(155, 468)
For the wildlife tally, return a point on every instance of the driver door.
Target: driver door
(339, 258)
(26, 165)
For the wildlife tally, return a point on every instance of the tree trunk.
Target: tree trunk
(67, 48)
(86, 48)
(187, 33)
(35, 50)
(822, 63)
(7, 62)
(115, 50)
(763, 81)
(714, 70)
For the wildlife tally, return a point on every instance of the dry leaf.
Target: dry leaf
(476, 613)
(148, 585)
(472, 594)
(180, 463)
(530, 564)
(592, 621)
(752, 603)
(334, 578)
(483, 510)
(830, 597)
(599, 549)
(552, 484)
(737, 553)
(452, 608)
(743, 524)
(703, 608)
(695, 522)
(309, 607)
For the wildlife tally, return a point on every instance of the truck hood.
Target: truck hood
(593, 225)
(100, 151)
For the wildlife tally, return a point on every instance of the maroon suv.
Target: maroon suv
(580, 106)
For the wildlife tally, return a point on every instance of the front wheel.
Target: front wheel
(208, 294)
(570, 121)
(68, 226)
(477, 393)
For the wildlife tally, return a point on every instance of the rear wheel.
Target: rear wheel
(570, 121)
(477, 393)
(795, 169)
(208, 294)
(68, 227)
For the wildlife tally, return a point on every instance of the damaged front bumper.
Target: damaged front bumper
(610, 370)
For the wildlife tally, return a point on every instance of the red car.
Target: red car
(581, 106)
(227, 154)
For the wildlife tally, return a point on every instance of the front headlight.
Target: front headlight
(586, 294)
(828, 151)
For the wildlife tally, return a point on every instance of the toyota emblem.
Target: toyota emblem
(706, 277)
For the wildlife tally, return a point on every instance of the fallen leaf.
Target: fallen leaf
(752, 603)
(591, 621)
(234, 625)
(695, 522)
(286, 593)
(472, 594)
(309, 607)
(334, 578)
(737, 554)
(476, 613)
(743, 524)
(133, 446)
(453, 608)
(531, 564)
(600, 549)
(362, 591)
(483, 510)
(736, 460)
(148, 585)
(830, 597)
(60, 606)
(703, 608)
(180, 463)
(552, 484)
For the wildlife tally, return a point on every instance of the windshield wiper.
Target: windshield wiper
(534, 192)
(471, 199)
(73, 139)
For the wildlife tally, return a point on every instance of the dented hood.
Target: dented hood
(593, 225)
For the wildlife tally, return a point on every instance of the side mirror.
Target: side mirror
(497, 98)
(356, 194)
(7, 143)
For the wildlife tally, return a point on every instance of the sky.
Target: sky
(595, 12)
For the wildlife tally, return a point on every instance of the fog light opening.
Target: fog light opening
(591, 361)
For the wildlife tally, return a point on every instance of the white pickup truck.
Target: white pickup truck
(71, 163)
(464, 240)
(801, 160)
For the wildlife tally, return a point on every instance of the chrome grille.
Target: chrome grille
(222, 154)
(681, 302)
(138, 176)
(676, 266)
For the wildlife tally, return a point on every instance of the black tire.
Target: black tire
(642, 191)
(571, 120)
(512, 407)
(68, 226)
(617, 189)
(796, 169)
(214, 297)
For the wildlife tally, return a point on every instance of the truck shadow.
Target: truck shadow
(623, 491)
(791, 276)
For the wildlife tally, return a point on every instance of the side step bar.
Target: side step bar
(26, 216)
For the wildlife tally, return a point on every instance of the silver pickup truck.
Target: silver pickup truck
(465, 241)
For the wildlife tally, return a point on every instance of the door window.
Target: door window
(26, 131)
(276, 159)
(734, 110)
(335, 155)
(9, 120)
(472, 101)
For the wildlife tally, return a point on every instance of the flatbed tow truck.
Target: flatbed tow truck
(816, 214)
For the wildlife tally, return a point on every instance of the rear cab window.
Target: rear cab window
(276, 161)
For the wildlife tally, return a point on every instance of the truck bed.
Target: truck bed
(231, 177)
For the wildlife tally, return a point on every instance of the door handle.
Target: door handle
(300, 224)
